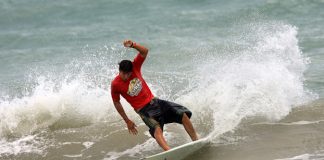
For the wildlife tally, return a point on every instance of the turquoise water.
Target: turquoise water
(233, 63)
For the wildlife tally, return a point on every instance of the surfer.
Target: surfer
(155, 112)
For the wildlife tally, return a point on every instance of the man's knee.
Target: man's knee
(157, 132)
(185, 116)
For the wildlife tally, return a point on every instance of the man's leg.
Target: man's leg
(158, 134)
(188, 127)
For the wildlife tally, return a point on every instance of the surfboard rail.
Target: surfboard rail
(179, 152)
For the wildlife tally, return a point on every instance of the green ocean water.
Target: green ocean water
(251, 72)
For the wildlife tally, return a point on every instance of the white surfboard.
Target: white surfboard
(179, 152)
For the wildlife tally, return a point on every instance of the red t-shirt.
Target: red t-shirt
(134, 90)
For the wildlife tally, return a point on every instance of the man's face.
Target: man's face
(124, 76)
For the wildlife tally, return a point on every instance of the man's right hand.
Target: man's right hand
(131, 127)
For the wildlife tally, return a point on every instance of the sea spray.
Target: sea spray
(265, 79)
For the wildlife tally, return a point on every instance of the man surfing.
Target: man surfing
(155, 112)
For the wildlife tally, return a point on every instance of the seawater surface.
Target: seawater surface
(250, 71)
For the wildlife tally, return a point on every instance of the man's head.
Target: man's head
(125, 69)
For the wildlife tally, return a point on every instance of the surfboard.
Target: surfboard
(179, 152)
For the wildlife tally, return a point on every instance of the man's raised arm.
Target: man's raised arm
(141, 49)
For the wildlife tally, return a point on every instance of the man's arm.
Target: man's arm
(130, 124)
(141, 49)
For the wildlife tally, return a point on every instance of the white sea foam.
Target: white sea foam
(319, 155)
(137, 151)
(291, 123)
(75, 98)
(73, 155)
(265, 79)
(26, 144)
(72, 105)
(87, 144)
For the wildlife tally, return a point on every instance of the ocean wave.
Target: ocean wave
(261, 75)
(263, 79)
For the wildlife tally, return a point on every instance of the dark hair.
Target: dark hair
(125, 66)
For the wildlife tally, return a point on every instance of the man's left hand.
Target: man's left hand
(131, 127)
(128, 43)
